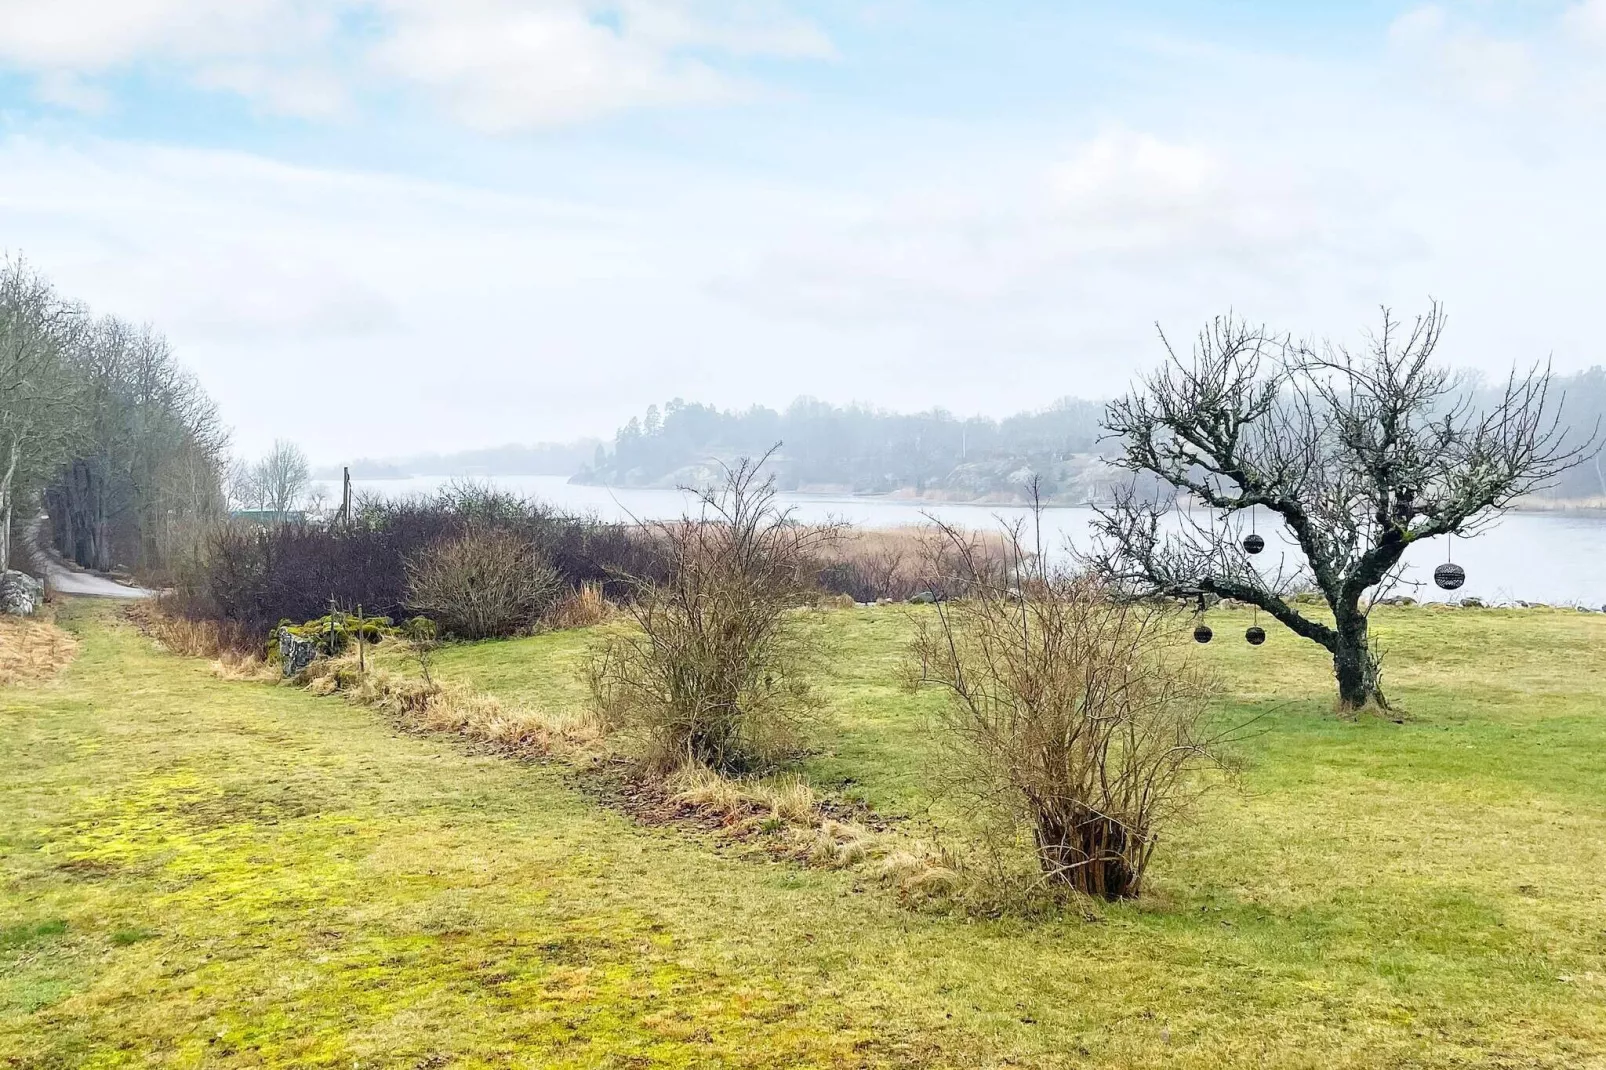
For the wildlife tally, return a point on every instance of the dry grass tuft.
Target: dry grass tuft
(32, 650)
(226, 641)
(433, 706)
(232, 665)
(922, 875)
(787, 805)
(835, 845)
(788, 798)
(581, 608)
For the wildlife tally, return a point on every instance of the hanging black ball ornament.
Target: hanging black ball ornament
(1256, 635)
(1449, 576)
(1202, 633)
(1254, 543)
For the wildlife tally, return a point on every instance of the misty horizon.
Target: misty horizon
(340, 220)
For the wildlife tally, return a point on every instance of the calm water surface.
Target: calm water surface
(1536, 557)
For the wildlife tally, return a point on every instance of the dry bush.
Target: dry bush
(1070, 715)
(715, 673)
(583, 607)
(32, 650)
(484, 583)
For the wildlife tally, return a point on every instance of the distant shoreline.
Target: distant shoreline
(907, 496)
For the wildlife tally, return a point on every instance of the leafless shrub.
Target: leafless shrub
(483, 583)
(1070, 716)
(715, 671)
(423, 639)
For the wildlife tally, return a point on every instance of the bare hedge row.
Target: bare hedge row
(482, 562)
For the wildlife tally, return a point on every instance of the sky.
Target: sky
(378, 227)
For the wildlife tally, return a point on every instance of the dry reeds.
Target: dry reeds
(583, 607)
(895, 564)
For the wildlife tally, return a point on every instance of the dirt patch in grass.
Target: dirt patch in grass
(32, 650)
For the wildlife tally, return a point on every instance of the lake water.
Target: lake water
(1536, 557)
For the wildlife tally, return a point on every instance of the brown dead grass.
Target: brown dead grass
(419, 705)
(896, 563)
(32, 650)
(226, 641)
(581, 608)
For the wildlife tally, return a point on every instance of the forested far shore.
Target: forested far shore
(932, 456)
(937, 456)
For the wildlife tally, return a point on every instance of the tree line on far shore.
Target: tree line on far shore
(939, 454)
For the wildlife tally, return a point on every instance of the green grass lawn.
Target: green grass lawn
(199, 872)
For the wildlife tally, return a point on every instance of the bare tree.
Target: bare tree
(240, 488)
(37, 395)
(143, 477)
(282, 478)
(1358, 455)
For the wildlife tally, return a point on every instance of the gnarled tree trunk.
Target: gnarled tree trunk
(1353, 662)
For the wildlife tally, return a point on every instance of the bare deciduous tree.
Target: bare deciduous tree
(37, 398)
(281, 478)
(1358, 455)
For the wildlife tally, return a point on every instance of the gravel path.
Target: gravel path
(64, 580)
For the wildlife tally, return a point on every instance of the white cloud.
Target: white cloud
(1586, 22)
(980, 265)
(495, 64)
(501, 66)
(1120, 229)
(1470, 62)
(1551, 70)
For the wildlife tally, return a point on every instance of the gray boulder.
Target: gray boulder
(20, 594)
(295, 653)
